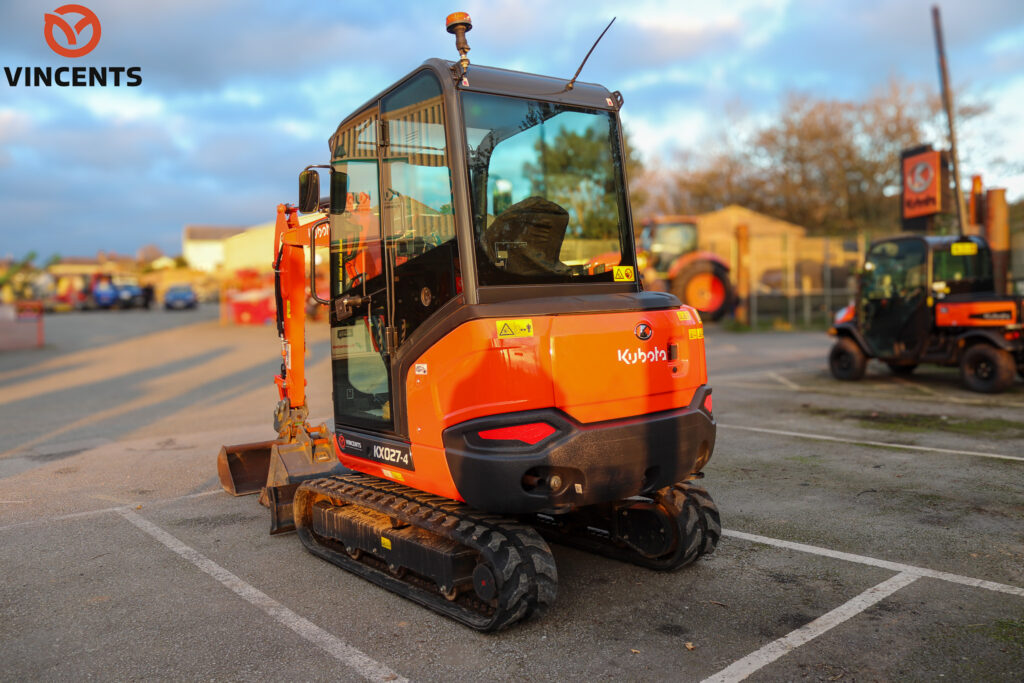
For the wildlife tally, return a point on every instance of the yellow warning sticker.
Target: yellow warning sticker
(685, 316)
(385, 543)
(963, 249)
(697, 333)
(523, 327)
(624, 273)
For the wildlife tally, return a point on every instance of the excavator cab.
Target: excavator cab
(457, 196)
(499, 375)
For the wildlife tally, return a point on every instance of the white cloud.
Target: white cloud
(301, 129)
(13, 124)
(658, 136)
(998, 137)
(119, 107)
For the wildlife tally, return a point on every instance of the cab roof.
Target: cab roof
(492, 80)
(497, 81)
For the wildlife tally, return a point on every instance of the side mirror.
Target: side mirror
(309, 191)
(339, 191)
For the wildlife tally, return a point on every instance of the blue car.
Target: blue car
(179, 297)
(104, 294)
(129, 296)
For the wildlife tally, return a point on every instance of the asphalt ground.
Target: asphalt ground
(874, 530)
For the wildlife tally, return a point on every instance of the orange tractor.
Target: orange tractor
(668, 253)
(492, 389)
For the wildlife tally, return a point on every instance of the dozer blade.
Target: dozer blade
(243, 468)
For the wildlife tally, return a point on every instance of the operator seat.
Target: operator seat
(526, 238)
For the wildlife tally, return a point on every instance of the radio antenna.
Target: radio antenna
(569, 85)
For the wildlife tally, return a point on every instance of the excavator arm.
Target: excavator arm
(290, 241)
(300, 452)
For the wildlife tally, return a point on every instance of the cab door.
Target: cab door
(360, 291)
(420, 244)
(893, 307)
(394, 251)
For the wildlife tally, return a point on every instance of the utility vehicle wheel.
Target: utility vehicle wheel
(902, 368)
(846, 360)
(706, 287)
(987, 369)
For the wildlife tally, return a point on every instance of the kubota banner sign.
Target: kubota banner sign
(922, 194)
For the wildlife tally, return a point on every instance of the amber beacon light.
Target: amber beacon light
(458, 23)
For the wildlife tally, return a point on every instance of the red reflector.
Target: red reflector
(707, 403)
(529, 433)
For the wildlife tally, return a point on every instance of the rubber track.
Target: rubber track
(712, 521)
(697, 530)
(519, 558)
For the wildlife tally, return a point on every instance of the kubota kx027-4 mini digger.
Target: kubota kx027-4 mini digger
(492, 387)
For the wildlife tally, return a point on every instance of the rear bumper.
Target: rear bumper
(587, 463)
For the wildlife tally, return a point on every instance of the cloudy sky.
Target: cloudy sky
(237, 96)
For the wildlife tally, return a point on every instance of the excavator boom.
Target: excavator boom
(244, 468)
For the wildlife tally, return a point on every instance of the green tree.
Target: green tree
(639, 193)
(576, 171)
(829, 165)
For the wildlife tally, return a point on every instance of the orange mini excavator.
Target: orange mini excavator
(492, 389)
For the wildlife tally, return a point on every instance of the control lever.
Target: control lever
(345, 307)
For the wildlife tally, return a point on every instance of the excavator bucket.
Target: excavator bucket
(243, 468)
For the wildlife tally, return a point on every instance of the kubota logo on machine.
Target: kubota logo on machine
(321, 231)
(631, 357)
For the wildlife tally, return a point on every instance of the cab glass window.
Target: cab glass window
(895, 269)
(548, 193)
(964, 266)
(420, 244)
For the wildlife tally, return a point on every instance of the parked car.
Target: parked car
(103, 294)
(129, 293)
(178, 297)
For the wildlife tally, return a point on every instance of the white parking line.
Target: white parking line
(782, 380)
(875, 562)
(865, 442)
(758, 659)
(103, 511)
(920, 387)
(346, 654)
(871, 384)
